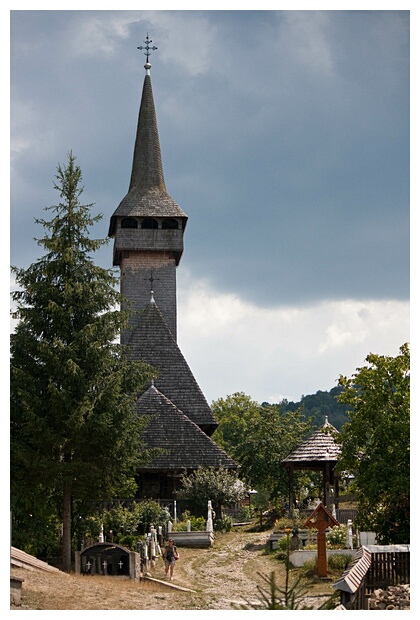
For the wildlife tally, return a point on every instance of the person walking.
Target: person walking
(170, 556)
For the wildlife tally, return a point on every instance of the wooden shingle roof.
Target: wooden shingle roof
(186, 445)
(147, 195)
(153, 343)
(319, 448)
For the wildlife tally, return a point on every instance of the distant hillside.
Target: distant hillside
(320, 405)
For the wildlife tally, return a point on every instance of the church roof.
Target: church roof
(153, 343)
(147, 195)
(319, 448)
(186, 445)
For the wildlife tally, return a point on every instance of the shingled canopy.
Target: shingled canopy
(319, 452)
(185, 446)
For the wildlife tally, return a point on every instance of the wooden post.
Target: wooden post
(321, 519)
(336, 492)
(291, 504)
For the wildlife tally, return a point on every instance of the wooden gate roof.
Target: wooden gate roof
(320, 448)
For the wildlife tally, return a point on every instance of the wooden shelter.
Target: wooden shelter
(319, 452)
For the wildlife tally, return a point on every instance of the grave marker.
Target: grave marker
(321, 519)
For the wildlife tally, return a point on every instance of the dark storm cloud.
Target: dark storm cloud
(284, 135)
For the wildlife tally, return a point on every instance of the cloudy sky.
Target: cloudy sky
(284, 138)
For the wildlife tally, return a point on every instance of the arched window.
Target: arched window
(149, 222)
(170, 223)
(129, 222)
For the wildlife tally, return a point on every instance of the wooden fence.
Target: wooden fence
(390, 566)
(375, 566)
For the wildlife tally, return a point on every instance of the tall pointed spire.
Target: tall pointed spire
(147, 195)
(147, 171)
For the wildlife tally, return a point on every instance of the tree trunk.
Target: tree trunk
(67, 527)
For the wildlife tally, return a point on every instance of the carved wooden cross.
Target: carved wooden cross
(321, 518)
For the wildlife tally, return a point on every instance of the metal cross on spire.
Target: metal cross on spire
(147, 47)
(151, 279)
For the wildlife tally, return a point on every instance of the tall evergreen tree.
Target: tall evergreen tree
(74, 429)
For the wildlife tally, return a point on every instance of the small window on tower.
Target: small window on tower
(149, 222)
(170, 223)
(128, 222)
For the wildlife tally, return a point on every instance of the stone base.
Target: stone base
(193, 539)
(15, 590)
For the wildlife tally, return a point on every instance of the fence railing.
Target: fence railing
(374, 566)
(390, 566)
(344, 514)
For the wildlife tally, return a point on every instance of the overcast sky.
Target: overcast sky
(284, 138)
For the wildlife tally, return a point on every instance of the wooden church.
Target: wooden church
(148, 229)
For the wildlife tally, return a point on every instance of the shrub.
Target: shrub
(310, 568)
(224, 524)
(337, 537)
(245, 514)
(151, 513)
(135, 519)
(198, 524)
(284, 543)
(129, 540)
(284, 523)
(339, 561)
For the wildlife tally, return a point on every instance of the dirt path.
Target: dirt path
(228, 572)
(221, 577)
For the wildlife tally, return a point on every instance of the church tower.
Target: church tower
(148, 228)
(148, 225)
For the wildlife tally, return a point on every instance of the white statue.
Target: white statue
(209, 526)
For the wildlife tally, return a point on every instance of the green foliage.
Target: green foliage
(151, 513)
(317, 406)
(277, 597)
(36, 527)
(198, 524)
(129, 541)
(339, 561)
(224, 524)
(233, 413)
(259, 437)
(286, 523)
(283, 544)
(337, 537)
(135, 519)
(88, 527)
(310, 568)
(75, 434)
(376, 444)
(221, 486)
(245, 513)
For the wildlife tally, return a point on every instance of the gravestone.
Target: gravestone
(107, 559)
(321, 519)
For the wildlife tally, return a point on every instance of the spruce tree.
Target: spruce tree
(75, 433)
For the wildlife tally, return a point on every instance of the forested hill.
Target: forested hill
(320, 405)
